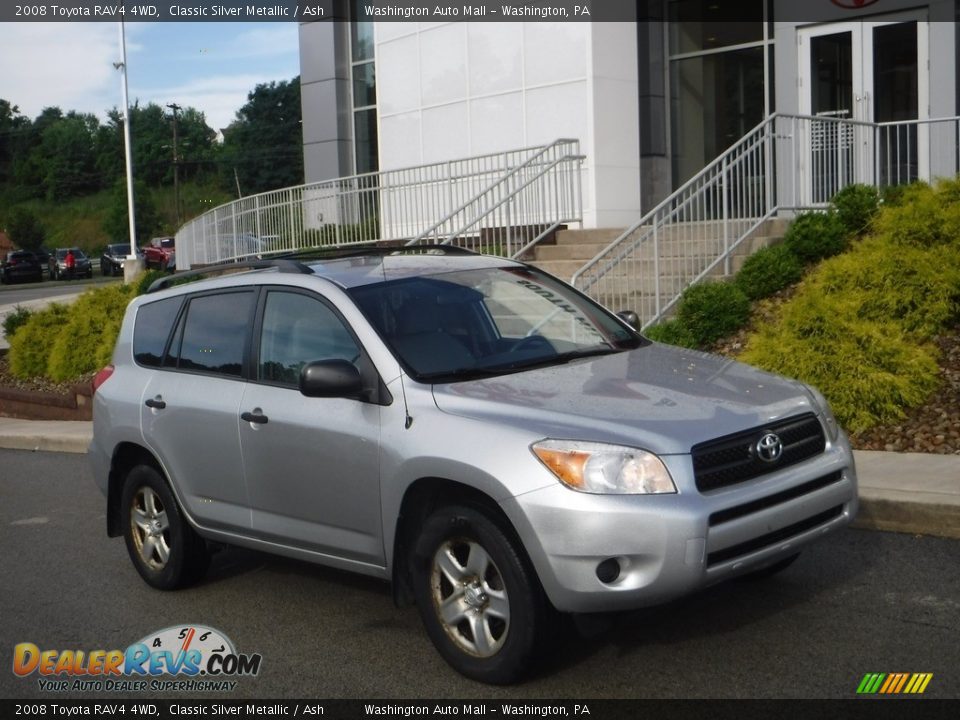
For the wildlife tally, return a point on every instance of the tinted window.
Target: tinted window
(152, 330)
(298, 329)
(215, 333)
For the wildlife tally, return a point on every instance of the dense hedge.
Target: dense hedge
(768, 271)
(64, 342)
(860, 326)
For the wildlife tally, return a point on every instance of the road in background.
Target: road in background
(858, 602)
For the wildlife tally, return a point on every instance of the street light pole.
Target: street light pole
(132, 266)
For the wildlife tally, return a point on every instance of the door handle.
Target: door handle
(254, 417)
(156, 403)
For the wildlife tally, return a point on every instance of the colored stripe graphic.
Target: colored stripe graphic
(894, 683)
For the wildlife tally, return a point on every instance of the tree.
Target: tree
(264, 144)
(25, 229)
(66, 157)
(117, 223)
(13, 125)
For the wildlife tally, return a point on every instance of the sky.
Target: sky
(210, 66)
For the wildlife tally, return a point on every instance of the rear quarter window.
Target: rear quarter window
(152, 328)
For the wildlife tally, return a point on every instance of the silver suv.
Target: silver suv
(470, 429)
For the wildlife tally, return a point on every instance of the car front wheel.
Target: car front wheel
(165, 550)
(478, 596)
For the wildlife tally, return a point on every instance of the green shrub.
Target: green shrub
(711, 310)
(868, 369)
(768, 270)
(670, 332)
(147, 279)
(30, 346)
(86, 342)
(15, 319)
(856, 206)
(814, 236)
(881, 280)
(926, 216)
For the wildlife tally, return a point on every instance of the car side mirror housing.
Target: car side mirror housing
(630, 318)
(330, 378)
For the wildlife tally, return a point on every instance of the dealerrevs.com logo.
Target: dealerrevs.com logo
(199, 657)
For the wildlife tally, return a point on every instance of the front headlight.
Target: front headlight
(605, 469)
(833, 430)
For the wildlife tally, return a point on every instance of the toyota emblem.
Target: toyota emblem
(769, 448)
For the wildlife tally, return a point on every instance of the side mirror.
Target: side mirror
(330, 378)
(630, 318)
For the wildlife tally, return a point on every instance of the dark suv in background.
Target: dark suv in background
(113, 258)
(20, 265)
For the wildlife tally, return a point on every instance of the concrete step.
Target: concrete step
(591, 236)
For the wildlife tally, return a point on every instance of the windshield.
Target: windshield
(476, 323)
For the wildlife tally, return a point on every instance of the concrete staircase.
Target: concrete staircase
(686, 249)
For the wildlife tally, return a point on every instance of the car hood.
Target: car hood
(657, 397)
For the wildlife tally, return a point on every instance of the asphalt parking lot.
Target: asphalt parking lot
(859, 602)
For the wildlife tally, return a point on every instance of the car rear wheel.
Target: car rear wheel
(165, 550)
(478, 596)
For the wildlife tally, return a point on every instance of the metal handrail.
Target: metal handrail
(485, 191)
(392, 205)
(726, 202)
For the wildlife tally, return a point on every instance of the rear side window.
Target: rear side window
(215, 333)
(152, 328)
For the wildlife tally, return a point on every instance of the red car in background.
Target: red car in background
(161, 254)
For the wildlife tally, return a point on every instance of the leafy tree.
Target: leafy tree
(66, 157)
(264, 144)
(24, 229)
(117, 223)
(12, 127)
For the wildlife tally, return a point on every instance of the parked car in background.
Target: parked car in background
(113, 258)
(469, 428)
(43, 256)
(161, 254)
(58, 264)
(20, 265)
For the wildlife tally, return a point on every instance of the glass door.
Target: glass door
(854, 75)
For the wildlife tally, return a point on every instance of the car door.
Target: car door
(190, 408)
(312, 464)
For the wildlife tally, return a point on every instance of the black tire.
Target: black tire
(165, 550)
(496, 591)
(771, 570)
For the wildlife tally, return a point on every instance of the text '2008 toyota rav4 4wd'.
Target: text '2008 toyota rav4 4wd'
(491, 441)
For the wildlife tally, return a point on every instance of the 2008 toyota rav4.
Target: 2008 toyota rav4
(473, 430)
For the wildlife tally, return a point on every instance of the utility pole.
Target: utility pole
(176, 160)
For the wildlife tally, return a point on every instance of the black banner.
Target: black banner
(436, 11)
(868, 709)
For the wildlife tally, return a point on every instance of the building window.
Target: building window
(364, 92)
(721, 73)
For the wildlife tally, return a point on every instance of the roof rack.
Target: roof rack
(337, 252)
(282, 264)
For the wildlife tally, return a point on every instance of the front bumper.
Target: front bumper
(670, 545)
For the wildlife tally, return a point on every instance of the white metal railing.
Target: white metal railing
(527, 203)
(787, 162)
(394, 205)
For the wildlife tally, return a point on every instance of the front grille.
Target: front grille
(773, 538)
(725, 516)
(732, 459)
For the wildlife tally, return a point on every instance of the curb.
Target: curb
(40, 443)
(915, 518)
